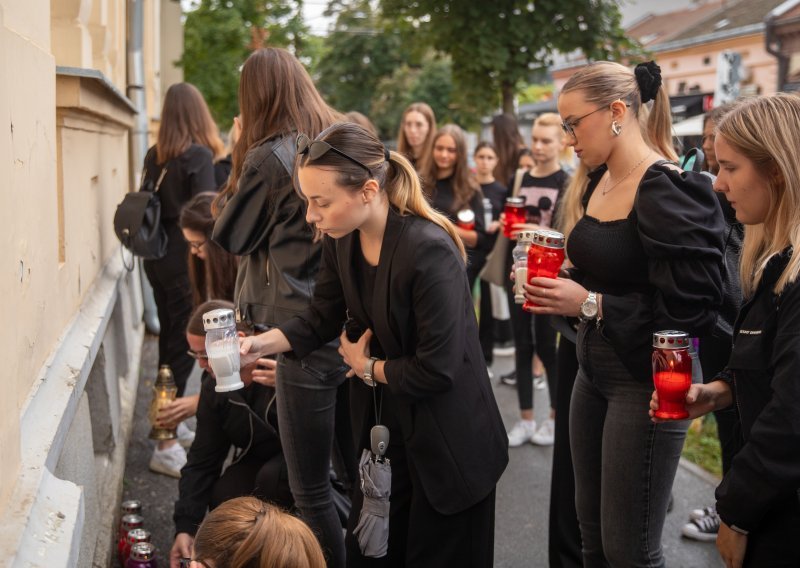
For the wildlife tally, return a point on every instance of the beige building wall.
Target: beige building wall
(72, 329)
(697, 65)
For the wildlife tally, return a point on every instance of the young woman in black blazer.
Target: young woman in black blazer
(396, 267)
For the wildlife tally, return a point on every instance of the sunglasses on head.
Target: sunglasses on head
(318, 148)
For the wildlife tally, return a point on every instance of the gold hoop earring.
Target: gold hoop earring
(616, 128)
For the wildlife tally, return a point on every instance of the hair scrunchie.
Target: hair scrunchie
(648, 77)
(386, 154)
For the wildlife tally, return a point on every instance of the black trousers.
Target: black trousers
(267, 480)
(420, 536)
(532, 334)
(564, 536)
(169, 277)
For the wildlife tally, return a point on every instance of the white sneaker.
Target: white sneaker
(506, 351)
(546, 434)
(522, 432)
(539, 382)
(168, 461)
(185, 435)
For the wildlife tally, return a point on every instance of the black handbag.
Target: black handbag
(137, 222)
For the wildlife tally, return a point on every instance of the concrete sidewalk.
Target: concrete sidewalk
(522, 494)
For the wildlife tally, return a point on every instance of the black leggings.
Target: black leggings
(532, 334)
(169, 277)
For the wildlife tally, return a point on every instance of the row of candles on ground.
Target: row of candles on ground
(134, 549)
(540, 253)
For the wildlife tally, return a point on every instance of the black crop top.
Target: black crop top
(659, 268)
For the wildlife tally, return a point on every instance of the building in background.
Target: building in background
(783, 41)
(72, 331)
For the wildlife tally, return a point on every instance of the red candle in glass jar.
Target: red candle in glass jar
(466, 219)
(514, 213)
(672, 373)
(545, 257)
(129, 522)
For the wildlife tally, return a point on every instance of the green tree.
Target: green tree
(220, 34)
(495, 46)
(358, 55)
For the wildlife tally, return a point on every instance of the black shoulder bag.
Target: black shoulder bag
(137, 222)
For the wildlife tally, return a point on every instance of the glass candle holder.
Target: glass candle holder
(164, 392)
(545, 257)
(222, 347)
(513, 214)
(672, 373)
(519, 257)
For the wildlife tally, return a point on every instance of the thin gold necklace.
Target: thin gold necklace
(607, 189)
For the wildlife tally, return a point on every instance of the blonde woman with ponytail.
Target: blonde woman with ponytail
(394, 274)
(758, 501)
(647, 252)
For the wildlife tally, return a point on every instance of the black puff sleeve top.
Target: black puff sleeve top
(659, 268)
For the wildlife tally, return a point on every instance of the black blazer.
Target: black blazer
(425, 321)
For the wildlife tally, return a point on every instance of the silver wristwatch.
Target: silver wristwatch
(589, 308)
(369, 367)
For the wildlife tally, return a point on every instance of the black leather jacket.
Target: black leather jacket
(265, 224)
(763, 372)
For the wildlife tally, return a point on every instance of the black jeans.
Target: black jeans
(532, 334)
(169, 277)
(624, 464)
(564, 535)
(307, 403)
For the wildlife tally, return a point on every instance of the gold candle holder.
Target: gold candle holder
(164, 392)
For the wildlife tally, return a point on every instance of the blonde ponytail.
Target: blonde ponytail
(404, 190)
(659, 126)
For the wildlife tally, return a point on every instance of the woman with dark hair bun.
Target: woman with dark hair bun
(647, 252)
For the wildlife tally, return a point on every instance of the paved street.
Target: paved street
(522, 495)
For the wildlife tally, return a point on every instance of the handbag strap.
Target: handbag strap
(520, 173)
(160, 179)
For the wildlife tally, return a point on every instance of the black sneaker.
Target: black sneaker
(509, 379)
(704, 529)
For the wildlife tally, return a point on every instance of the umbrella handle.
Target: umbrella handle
(379, 440)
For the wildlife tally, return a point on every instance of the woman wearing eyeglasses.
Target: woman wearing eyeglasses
(262, 219)
(396, 268)
(245, 420)
(646, 254)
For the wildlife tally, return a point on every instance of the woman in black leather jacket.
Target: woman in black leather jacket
(758, 501)
(262, 219)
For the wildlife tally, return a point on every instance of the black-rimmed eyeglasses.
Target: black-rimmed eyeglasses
(569, 126)
(197, 354)
(318, 148)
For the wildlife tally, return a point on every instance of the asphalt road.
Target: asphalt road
(522, 494)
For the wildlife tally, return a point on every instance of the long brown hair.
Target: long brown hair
(766, 130)
(246, 532)
(276, 97)
(508, 141)
(214, 277)
(421, 162)
(186, 120)
(464, 184)
(396, 176)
